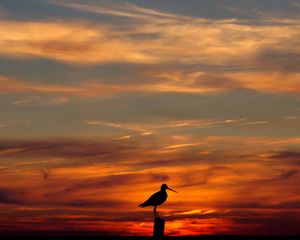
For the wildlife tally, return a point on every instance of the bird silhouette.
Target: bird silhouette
(157, 199)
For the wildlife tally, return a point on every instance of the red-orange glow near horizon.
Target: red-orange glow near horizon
(215, 196)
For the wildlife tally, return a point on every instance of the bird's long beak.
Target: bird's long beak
(172, 189)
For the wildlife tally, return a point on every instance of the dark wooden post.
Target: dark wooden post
(159, 228)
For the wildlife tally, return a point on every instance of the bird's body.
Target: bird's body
(157, 199)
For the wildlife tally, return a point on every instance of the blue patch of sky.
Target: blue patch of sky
(214, 9)
(69, 119)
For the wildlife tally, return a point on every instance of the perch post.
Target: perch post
(159, 227)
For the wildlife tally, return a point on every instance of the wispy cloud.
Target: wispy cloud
(126, 10)
(97, 171)
(150, 128)
(196, 212)
(89, 88)
(81, 42)
(40, 101)
(9, 85)
(263, 55)
(123, 137)
(254, 123)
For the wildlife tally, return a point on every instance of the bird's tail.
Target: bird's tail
(142, 205)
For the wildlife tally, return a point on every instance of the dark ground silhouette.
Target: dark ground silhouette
(202, 237)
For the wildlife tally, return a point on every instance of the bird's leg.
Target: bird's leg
(155, 212)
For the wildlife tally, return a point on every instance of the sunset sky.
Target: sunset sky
(102, 101)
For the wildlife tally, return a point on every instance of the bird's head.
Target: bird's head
(165, 186)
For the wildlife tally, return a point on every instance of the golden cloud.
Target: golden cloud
(180, 40)
(232, 47)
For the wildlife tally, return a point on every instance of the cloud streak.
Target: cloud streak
(126, 10)
(100, 174)
(263, 54)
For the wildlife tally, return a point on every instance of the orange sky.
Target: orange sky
(234, 185)
(102, 102)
